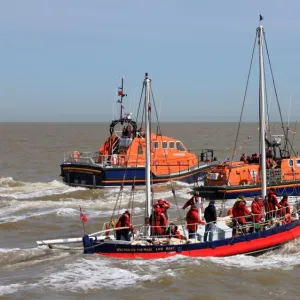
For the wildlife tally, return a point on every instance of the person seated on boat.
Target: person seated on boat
(285, 211)
(210, 216)
(249, 160)
(243, 158)
(254, 158)
(257, 212)
(164, 205)
(191, 201)
(124, 221)
(158, 221)
(239, 213)
(173, 231)
(192, 220)
(271, 205)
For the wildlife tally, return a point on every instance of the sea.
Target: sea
(35, 205)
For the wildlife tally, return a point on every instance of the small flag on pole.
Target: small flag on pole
(260, 18)
(123, 107)
(83, 217)
(120, 93)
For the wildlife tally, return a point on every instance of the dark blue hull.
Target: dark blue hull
(245, 244)
(93, 176)
(232, 192)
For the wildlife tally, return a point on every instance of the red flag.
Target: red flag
(120, 93)
(83, 217)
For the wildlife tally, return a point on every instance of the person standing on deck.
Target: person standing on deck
(158, 221)
(192, 220)
(272, 205)
(193, 200)
(257, 212)
(285, 211)
(239, 212)
(124, 221)
(164, 205)
(210, 216)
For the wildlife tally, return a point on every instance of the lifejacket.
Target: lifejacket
(272, 202)
(285, 207)
(193, 219)
(239, 211)
(124, 221)
(229, 212)
(257, 211)
(163, 204)
(158, 222)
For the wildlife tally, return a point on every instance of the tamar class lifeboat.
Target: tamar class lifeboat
(123, 156)
(230, 179)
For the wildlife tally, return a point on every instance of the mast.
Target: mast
(263, 176)
(148, 162)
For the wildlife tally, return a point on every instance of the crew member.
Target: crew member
(124, 221)
(257, 211)
(164, 205)
(243, 158)
(173, 231)
(158, 221)
(239, 212)
(271, 205)
(210, 216)
(192, 220)
(285, 211)
(193, 200)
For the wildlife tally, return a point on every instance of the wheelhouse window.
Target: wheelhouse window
(291, 163)
(298, 162)
(179, 147)
(140, 150)
(164, 145)
(155, 145)
(171, 145)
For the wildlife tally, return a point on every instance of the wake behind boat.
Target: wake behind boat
(121, 158)
(158, 239)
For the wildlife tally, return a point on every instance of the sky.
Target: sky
(63, 60)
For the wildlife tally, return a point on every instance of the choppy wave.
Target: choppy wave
(11, 189)
(93, 273)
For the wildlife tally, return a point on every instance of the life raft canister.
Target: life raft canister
(75, 155)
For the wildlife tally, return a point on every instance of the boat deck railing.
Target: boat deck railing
(118, 160)
(233, 227)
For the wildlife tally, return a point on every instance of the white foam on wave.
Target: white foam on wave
(93, 274)
(11, 288)
(26, 190)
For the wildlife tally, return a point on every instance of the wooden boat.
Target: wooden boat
(122, 155)
(271, 234)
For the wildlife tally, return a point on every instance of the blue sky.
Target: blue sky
(62, 60)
